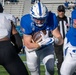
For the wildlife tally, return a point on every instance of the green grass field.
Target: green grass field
(4, 72)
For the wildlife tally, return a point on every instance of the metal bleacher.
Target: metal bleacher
(53, 4)
(23, 6)
(14, 8)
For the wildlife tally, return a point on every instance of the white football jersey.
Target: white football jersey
(5, 27)
(9, 17)
(5, 18)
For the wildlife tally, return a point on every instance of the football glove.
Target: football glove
(45, 40)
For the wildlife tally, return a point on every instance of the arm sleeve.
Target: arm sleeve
(25, 25)
(17, 41)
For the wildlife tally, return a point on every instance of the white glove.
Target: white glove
(45, 40)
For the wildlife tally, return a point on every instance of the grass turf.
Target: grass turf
(4, 72)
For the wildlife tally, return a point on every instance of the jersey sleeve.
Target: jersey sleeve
(55, 22)
(71, 35)
(52, 21)
(25, 25)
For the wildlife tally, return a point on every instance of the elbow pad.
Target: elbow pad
(17, 41)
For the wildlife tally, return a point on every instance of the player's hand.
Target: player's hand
(45, 40)
(44, 36)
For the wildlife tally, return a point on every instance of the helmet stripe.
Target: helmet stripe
(40, 12)
(32, 11)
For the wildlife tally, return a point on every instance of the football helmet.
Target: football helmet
(40, 12)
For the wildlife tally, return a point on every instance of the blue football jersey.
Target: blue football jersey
(29, 27)
(71, 36)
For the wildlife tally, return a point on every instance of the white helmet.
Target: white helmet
(39, 11)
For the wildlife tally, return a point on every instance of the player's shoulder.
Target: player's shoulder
(51, 13)
(4, 21)
(51, 16)
(2, 17)
(8, 16)
(27, 16)
(26, 20)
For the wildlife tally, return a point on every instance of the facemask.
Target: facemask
(39, 25)
(35, 22)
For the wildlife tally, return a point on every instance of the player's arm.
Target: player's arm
(16, 38)
(14, 31)
(57, 35)
(29, 43)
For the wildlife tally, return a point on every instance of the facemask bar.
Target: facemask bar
(42, 19)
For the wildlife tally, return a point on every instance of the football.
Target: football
(37, 36)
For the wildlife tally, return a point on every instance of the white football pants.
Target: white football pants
(69, 64)
(46, 54)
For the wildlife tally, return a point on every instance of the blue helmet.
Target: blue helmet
(39, 11)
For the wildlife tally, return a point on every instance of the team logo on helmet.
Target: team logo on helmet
(39, 10)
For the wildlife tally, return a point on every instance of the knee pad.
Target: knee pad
(33, 69)
(50, 67)
(31, 66)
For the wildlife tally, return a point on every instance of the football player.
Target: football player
(9, 58)
(16, 39)
(69, 64)
(38, 20)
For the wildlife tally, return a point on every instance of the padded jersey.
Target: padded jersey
(29, 27)
(71, 36)
(5, 27)
(5, 24)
